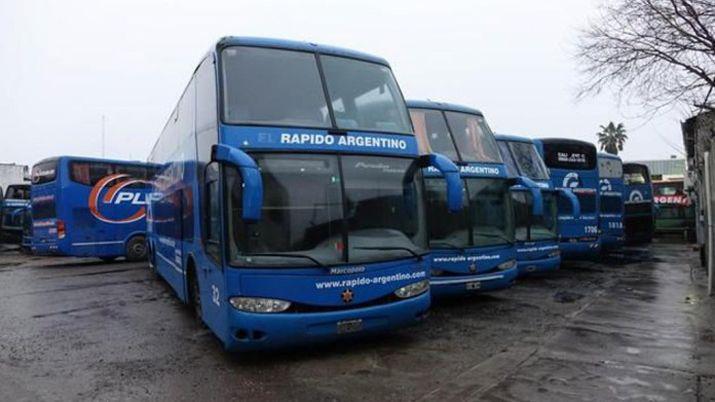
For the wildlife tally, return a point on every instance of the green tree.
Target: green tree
(612, 137)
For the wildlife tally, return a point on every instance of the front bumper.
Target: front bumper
(458, 285)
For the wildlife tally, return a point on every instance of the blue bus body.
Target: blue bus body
(12, 211)
(88, 207)
(573, 165)
(287, 209)
(611, 188)
(537, 237)
(639, 213)
(474, 251)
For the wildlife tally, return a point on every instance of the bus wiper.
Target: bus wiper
(494, 235)
(448, 245)
(289, 255)
(385, 248)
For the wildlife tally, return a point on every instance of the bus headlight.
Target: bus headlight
(506, 265)
(259, 304)
(412, 289)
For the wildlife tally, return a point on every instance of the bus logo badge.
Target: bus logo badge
(606, 185)
(347, 296)
(571, 180)
(473, 267)
(635, 196)
(114, 195)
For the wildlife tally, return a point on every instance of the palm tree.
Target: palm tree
(612, 137)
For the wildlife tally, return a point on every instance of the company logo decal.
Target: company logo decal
(111, 190)
(606, 185)
(672, 199)
(571, 180)
(347, 296)
(636, 196)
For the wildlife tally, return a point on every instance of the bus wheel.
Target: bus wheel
(195, 294)
(136, 249)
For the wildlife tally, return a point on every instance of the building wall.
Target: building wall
(11, 173)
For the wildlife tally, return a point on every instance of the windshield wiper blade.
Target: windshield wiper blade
(289, 255)
(494, 235)
(386, 248)
(448, 245)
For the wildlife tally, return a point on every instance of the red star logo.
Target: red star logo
(347, 295)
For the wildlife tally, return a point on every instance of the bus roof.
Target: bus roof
(513, 138)
(564, 141)
(92, 159)
(606, 155)
(449, 107)
(297, 45)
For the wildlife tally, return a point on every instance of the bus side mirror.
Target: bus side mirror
(575, 204)
(450, 172)
(537, 207)
(251, 176)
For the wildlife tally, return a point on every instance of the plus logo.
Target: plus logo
(571, 180)
(115, 190)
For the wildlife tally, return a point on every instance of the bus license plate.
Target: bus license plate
(474, 285)
(348, 326)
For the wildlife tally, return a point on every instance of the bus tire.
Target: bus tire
(194, 293)
(136, 249)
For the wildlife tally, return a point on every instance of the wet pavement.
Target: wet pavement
(634, 326)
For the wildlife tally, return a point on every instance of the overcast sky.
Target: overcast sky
(64, 64)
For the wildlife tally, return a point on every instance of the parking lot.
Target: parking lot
(636, 325)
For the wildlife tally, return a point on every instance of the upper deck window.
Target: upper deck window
(528, 160)
(284, 88)
(569, 155)
(44, 172)
(473, 137)
(635, 174)
(610, 168)
(89, 173)
(432, 133)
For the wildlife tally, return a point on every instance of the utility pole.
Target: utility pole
(103, 134)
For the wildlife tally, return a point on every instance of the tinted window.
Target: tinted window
(506, 157)
(635, 174)
(586, 199)
(446, 229)
(44, 172)
(432, 133)
(18, 192)
(271, 86)
(473, 137)
(533, 228)
(490, 211)
(568, 155)
(610, 168)
(89, 173)
(528, 160)
(43, 207)
(364, 96)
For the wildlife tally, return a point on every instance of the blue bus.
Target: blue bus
(639, 214)
(537, 236)
(12, 211)
(472, 251)
(573, 165)
(610, 194)
(289, 208)
(90, 207)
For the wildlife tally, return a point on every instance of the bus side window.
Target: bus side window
(212, 213)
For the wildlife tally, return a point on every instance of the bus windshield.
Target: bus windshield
(432, 133)
(635, 174)
(488, 219)
(18, 192)
(528, 160)
(509, 162)
(473, 137)
(534, 228)
(610, 168)
(314, 204)
(277, 87)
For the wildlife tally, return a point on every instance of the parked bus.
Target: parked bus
(472, 251)
(289, 208)
(610, 194)
(537, 236)
(16, 200)
(89, 207)
(674, 210)
(572, 165)
(638, 198)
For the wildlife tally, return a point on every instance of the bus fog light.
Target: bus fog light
(412, 289)
(259, 304)
(506, 265)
